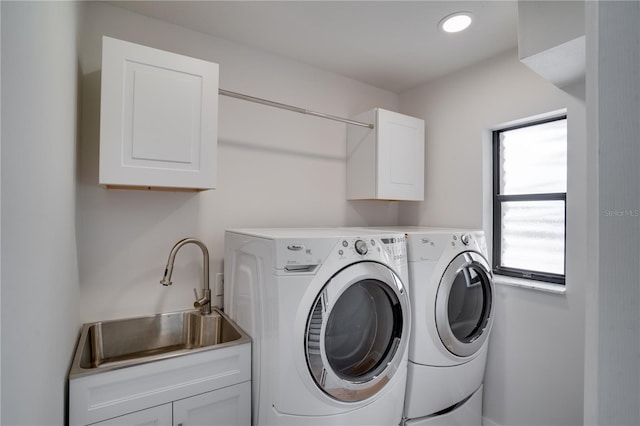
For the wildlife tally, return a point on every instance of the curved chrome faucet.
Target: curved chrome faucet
(204, 302)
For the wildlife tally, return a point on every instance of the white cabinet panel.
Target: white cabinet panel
(387, 162)
(229, 406)
(225, 407)
(158, 118)
(101, 396)
(156, 416)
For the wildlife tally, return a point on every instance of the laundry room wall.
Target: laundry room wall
(276, 168)
(39, 261)
(536, 353)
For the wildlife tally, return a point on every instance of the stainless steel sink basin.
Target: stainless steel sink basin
(107, 345)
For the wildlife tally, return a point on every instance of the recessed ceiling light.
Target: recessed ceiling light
(456, 22)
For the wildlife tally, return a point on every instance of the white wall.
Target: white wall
(545, 25)
(0, 214)
(276, 168)
(612, 378)
(534, 374)
(39, 268)
(551, 39)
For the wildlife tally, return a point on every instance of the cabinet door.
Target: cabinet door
(158, 118)
(387, 162)
(155, 416)
(400, 159)
(223, 407)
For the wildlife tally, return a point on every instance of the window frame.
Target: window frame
(498, 199)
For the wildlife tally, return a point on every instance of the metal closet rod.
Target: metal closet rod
(291, 108)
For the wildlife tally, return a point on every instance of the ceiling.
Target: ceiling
(393, 45)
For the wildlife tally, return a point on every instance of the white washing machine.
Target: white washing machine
(452, 299)
(329, 316)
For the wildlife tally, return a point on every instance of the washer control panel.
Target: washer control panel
(297, 255)
(361, 247)
(396, 247)
(392, 247)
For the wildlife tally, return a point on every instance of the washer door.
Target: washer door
(464, 304)
(356, 331)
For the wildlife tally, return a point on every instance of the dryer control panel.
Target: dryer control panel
(429, 247)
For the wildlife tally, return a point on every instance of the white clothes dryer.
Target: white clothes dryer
(452, 299)
(329, 316)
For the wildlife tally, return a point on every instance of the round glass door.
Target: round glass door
(464, 304)
(355, 329)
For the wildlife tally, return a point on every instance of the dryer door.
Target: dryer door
(357, 331)
(464, 304)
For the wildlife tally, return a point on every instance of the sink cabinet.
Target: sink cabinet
(223, 407)
(386, 162)
(162, 415)
(158, 119)
(228, 406)
(210, 386)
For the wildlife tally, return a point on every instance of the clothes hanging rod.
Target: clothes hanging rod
(291, 108)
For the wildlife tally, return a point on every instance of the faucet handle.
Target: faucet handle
(203, 303)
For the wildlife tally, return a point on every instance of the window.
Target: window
(529, 200)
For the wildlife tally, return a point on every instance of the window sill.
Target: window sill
(530, 284)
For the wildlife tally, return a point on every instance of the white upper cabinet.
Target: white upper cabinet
(158, 119)
(386, 162)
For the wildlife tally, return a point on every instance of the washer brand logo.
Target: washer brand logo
(296, 247)
(427, 241)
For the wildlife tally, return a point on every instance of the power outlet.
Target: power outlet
(219, 284)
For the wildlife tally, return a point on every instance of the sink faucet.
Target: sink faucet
(204, 302)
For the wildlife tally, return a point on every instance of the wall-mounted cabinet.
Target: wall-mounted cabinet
(158, 119)
(386, 162)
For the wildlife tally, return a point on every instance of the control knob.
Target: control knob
(361, 247)
(465, 239)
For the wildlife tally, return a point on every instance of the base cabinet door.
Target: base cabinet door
(223, 407)
(155, 416)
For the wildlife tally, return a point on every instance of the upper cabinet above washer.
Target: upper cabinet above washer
(386, 162)
(158, 119)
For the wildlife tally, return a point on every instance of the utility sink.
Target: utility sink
(108, 345)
